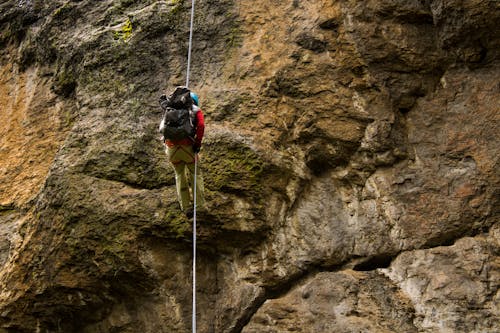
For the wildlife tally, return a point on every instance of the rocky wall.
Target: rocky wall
(350, 164)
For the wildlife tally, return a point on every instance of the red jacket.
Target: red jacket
(200, 127)
(198, 137)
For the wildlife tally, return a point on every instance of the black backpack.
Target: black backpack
(179, 119)
(180, 98)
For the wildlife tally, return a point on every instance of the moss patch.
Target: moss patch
(178, 223)
(125, 32)
(63, 11)
(235, 38)
(64, 84)
(174, 16)
(233, 167)
(6, 209)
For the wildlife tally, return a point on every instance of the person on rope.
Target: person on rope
(182, 127)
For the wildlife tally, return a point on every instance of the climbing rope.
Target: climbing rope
(194, 242)
(190, 43)
(193, 325)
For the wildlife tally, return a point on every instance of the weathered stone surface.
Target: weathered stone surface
(347, 301)
(444, 289)
(455, 288)
(350, 162)
(30, 137)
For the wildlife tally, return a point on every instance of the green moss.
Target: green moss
(69, 118)
(178, 224)
(235, 38)
(125, 32)
(62, 11)
(176, 3)
(5, 209)
(127, 29)
(233, 168)
(65, 83)
(15, 30)
(173, 18)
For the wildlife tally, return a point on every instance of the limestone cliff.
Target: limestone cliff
(350, 162)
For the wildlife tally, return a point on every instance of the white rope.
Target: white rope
(193, 325)
(195, 173)
(190, 43)
(194, 243)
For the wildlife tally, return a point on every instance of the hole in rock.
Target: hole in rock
(372, 263)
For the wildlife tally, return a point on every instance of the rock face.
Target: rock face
(350, 162)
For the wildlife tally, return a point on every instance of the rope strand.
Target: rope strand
(190, 43)
(195, 173)
(194, 242)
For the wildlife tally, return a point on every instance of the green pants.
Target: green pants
(183, 161)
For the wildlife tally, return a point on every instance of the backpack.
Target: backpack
(179, 119)
(180, 98)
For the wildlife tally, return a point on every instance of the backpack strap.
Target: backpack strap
(193, 113)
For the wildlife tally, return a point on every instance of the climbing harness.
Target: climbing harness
(195, 174)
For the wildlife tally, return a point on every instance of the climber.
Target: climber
(183, 126)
